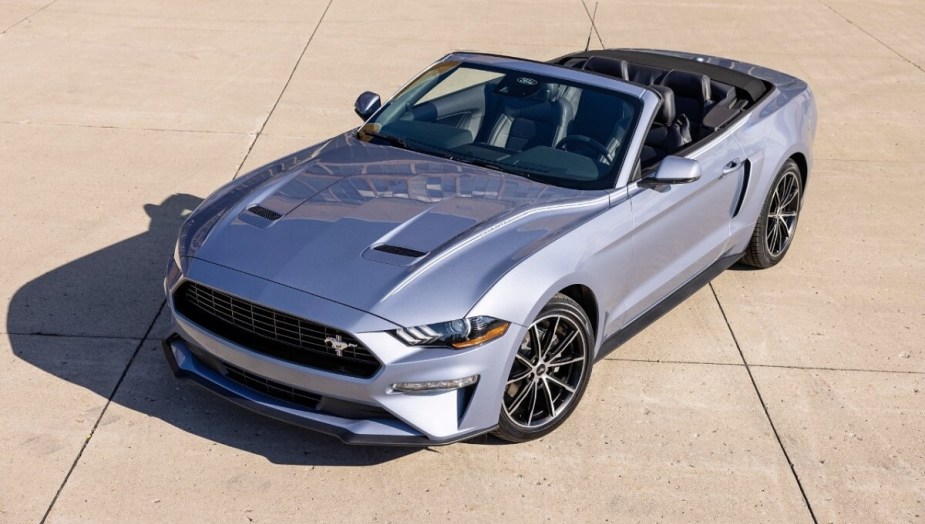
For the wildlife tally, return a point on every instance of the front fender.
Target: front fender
(592, 255)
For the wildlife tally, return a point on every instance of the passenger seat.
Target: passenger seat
(668, 133)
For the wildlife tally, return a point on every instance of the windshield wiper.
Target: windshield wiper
(392, 140)
(414, 145)
(528, 171)
(494, 165)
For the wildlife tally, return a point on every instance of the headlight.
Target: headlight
(459, 334)
(176, 253)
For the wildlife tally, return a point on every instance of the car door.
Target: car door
(680, 229)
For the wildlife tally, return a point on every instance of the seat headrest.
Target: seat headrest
(546, 93)
(607, 66)
(666, 112)
(688, 85)
(644, 75)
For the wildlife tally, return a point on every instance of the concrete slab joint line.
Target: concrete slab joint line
(96, 424)
(764, 407)
(871, 35)
(283, 90)
(30, 15)
(163, 304)
(770, 366)
(101, 126)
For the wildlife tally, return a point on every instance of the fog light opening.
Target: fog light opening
(434, 385)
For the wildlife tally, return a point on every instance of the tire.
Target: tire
(777, 223)
(549, 374)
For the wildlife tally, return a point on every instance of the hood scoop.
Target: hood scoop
(401, 251)
(263, 212)
(422, 234)
(393, 255)
(259, 216)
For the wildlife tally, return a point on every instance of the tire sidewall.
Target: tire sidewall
(766, 258)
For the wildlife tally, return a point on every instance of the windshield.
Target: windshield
(544, 128)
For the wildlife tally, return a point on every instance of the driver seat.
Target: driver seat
(526, 122)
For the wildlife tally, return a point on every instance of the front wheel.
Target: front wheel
(550, 372)
(778, 221)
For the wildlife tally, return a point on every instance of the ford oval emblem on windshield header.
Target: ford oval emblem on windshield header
(526, 81)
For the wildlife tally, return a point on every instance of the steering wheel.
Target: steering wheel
(587, 143)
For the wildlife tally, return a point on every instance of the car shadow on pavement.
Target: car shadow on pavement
(742, 266)
(92, 307)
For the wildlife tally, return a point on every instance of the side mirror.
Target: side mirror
(676, 170)
(367, 104)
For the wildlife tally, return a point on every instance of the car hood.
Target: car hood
(406, 236)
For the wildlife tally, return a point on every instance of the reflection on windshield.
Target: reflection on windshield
(545, 128)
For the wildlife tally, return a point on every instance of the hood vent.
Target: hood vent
(401, 251)
(263, 212)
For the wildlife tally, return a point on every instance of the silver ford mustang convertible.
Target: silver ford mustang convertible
(456, 265)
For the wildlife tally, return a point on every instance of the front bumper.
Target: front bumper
(386, 417)
(351, 431)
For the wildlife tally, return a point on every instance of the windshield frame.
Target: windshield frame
(421, 84)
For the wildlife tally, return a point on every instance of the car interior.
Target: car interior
(570, 132)
(694, 106)
(535, 124)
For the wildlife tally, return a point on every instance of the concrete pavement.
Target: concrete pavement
(792, 394)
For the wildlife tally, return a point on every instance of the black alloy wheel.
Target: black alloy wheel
(550, 372)
(777, 224)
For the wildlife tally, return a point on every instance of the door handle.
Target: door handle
(731, 166)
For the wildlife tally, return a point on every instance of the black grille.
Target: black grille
(268, 214)
(271, 388)
(273, 332)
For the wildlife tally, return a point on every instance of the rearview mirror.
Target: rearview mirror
(676, 170)
(367, 104)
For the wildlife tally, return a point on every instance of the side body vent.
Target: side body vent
(746, 174)
(263, 212)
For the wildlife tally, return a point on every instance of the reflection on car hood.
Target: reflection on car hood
(389, 231)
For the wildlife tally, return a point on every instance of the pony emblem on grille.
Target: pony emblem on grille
(338, 345)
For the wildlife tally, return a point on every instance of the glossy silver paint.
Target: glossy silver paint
(494, 244)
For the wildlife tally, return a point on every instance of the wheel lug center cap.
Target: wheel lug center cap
(541, 370)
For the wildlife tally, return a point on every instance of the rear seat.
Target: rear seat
(644, 75)
(705, 102)
(722, 94)
(639, 74)
(607, 66)
(691, 92)
(721, 112)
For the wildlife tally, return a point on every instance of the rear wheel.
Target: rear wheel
(549, 374)
(777, 224)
